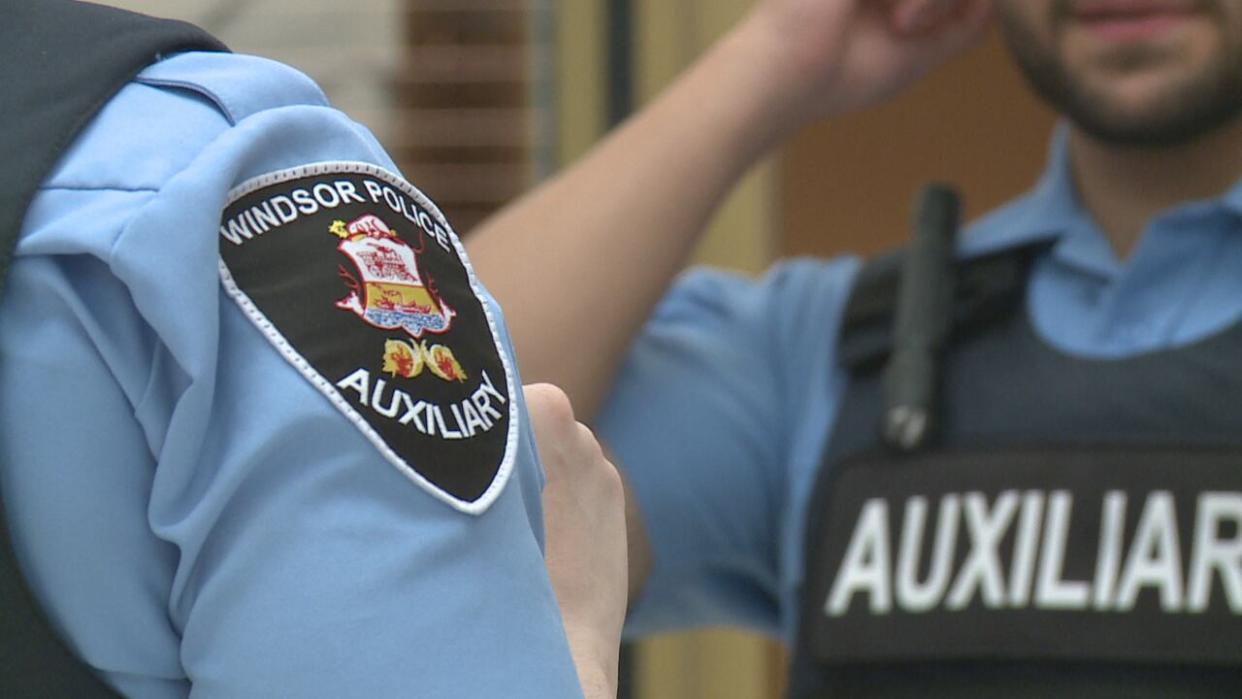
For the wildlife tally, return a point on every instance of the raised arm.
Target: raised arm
(579, 262)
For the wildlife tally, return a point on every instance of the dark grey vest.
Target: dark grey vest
(1075, 529)
(62, 62)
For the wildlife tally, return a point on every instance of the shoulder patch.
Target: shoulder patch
(359, 281)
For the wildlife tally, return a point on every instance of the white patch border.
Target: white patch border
(286, 349)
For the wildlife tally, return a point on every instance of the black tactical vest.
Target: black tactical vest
(62, 62)
(1073, 530)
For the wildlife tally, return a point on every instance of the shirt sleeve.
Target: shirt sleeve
(193, 512)
(701, 419)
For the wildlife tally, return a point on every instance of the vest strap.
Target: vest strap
(985, 289)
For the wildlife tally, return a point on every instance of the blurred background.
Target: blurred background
(477, 100)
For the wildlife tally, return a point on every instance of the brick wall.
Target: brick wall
(444, 84)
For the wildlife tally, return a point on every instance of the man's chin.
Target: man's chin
(1162, 86)
(1151, 110)
(1153, 128)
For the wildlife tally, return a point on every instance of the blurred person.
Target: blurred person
(1073, 529)
(261, 430)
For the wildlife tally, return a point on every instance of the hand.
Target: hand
(843, 55)
(585, 550)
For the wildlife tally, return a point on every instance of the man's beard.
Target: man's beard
(1193, 108)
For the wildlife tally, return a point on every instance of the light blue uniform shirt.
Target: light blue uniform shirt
(192, 512)
(722, 410)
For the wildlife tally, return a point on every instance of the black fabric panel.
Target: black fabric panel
(1015, 680)
(62, 62)
(1004, 386)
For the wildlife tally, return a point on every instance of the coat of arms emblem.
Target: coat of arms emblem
(391, 294)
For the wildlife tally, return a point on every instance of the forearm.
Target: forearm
(596, 663)
(579, 263)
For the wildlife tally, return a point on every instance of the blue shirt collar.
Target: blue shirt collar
(1045, 213)
(1233, 199)
(1052, 212)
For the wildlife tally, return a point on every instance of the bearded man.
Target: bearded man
(1073, 528)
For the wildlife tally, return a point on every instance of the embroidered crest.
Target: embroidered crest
(358, 280)
(391, 295)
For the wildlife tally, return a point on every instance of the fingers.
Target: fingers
(548, 405)
(566, 447)
(552, 419)
(915, 17)
(960, 30)
(584, 536)
(936, 30)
